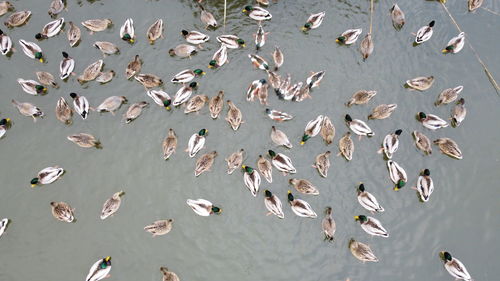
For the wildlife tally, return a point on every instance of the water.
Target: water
(242, 243)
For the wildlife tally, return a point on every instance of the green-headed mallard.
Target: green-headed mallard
(234, 116)
(322, 163)
(282, 162)
(314, 21)
(314, 79)
(195, 37)
(32, 50)
(449, 147)
(257, 13)
(280, 138)
(46, 79)
(251, 178)
(127, 31)
(155, 31)
(85, 140)
(133, 67)
(196, 103)
(304, 186)
(56, 7)
(431, 121)
(81, 105)
(107, 48)
(160, 227)
(219, 58)
(448, 95)
(5, 43)
(424, 33)
(458, 113)
(265, 168)
(358, 127)
(168, 275)
(66, 66)
(148, 80)
(300, 207)
(91, 72)
(396, 173)
(216, 104)
(204, 163)
(62, 211)
(278, 58)
(455, 267)
(64, 113)
(74, 34)
(422, 142)
(382, 111)
(390, 144)
(366, 46)
(169, 144)
(111, 205)
(28, 109)
(231, 41)
(99, 270)
(234, 161)
(420, 83)
(362, 251)
(51, 29)
(368, 201)
(32, 87)
(361, 97)
(134, 111)
(278, 115)
(455, 45)
(349, 36)
(183, 51)
(47, 176)
(312, 129)
(425, 185)
(5, 6)
(273, 204)
(111, 104)
(346, 146)
(328, 225)
(17, 19)
(184, 93)
(96, 25)
(203, 207)
(207, 18)
(196, 142)
(398, 17)
(372, 226)
(186, 76)
(258, 62)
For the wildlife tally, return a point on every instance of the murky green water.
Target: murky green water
(242, 243)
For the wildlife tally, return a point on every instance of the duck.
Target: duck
(368, 201)
(397, 16)
(204, 163)
(422, 142)
(85, 140)
(258, 62)
(133, 67)
(366, 47)
(32, 87)
(64, 113)
(196, 142)
(425, 185)
(361, 97)
(91, 72)
(5, 124)
(382, 111)
(312, 129)
(391, 144)
(32, 50)
(183, 51)
(234, 161)
(328, 225)
(99, 270)
(127, 31)
(274, 79)
(455, 267)
(314, 79)
(362, 251)
(184, 93)
(107, 48)
(278, 58)
(278, 115)
(257, 13)
(251, 178)
(349, 36)
(314, 21)
(253, 89)
(81, 105)
(148, 80)
(47, 176)
(6, 6)
(284, 85)
(294, 91)
(282, 162)
(263, 93)
(448, 95)
(346, 146)
(3, 225)
(420, 83)
(322, 163)
(203, 207)
(155, 31)
(231, 41)
(46, 78)
(219, 58)
(273, 204)
(66, 66)
(207, 18)
(424, 33)
(5, 43)
(74, 34)
(28, 109)
(112, 205)
(358, 127)
(196, 103)
(396, 172)
(160, 227)
(168, 275)
(372, 226)
(105, 76)
(62, 211)
(17, 19)
(134, 111)
(304, 186)
(458, 113)
(474, 4)
(215, 104)
(304, 93)
(449, 147)
(431, 121)
(195, 37)
(186, 76)
(56, 7)
(169, 144)
(51, 29)
(300, 207)
(455, 45)
(111, 104)
(97, 25)
(234, 116)
(265, 168)
(161, 98)
(280, 138)
(260, 38)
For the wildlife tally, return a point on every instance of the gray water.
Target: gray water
(243, 243)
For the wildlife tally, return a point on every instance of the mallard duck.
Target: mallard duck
(66, 66)
(159, 227)
(431, 121)
(168, 275)
(74, 34)
(273, 204)
(32, 50)
(366, 46)
(349, 36)
(257, 13)
(458, 113)
(264, 2)
(368, 201)
(28, 109)
(169, 144)
(448, 95)
(420, 83)
(260, 37)
(99, 270)
(5, 124)
(282, 162)
(196, 103)
(278, 58)
(62, 211)
(372, 226)
(155, 31)
(187, 76)
(314, 79)
(32, 87)
(346, 146)
(5, 6)
(263, 94)
(195, 37)
(455, 45)
(280, 138)
(111, 104)
(56, 7)
(5, 43)
(81, 105)
(184, 93)
(398, 17)
(251, 178)
(234, 116)
(294, 91)
(361, 97)
(196, 142)
(382, 111)
(133, 67)
(234, 161)
(3, 225)
(231, 41)
(259, 62)
(160, 97)
(396, 172)
(304, 186)
(105, 76)
(47, 176)
(96, 25)
(127, 31)
(285, 85)
(134, 111)
(454, 266)
(390, 144)
(424, 33)
(17, 19)
(265, 168)
(328, 225)
(358, 127)
(474, 4)
(422, 142)
(91, 72)
(216, 104)
(314, 21)
(253, 89)
(449, 147)
(322, 163)
(207, 18)
(46, 79)
(277, 115)
(183, 51)
(111, 205)
(203, 207)
(362, 251)
(219, 58)
(425, 185)
(85, 140)
(204, 163)
(148, 80)
(274, 79)
(107, 48)
(300, 207)
(51, 29)
(303, 94)
(64, 113)
(312, 129)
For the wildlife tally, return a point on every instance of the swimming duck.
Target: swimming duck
(64, 113)
(284, 85)
(47, 176)
(51, 29)
(424, 33)
(361, 97)
(160, 97)
(148, 80)
(455, 45)
(368, 201)
(314, 79)
(455, 267)
(105, 76)
(96, 25)
(56, 7)
(382, 111)
(81, 105)
(328, 225)
(28, 109)
(216, 104)
(203, 207)
(159, 227)
(398, 17)
(219, 58)
(195, 37)
(431, 121)
(107, 48)
(273, 204)
(274, 79)
(5, 124)
(111, 104)
(184, 93)
(111, 205)
(204, 163)
(196, 103)
(474, 4)
(91, 72)
(187, 75)
(372, 226)
(346, 146)
(449, 147)
(196, 142)
(231, 41)
(99, 270)
(396, 172)
(32, 87)
(362, 251)
(257, 13)
(280, 138)
(420, 83)
(3, 225)
(155, 31)
(300, 207)
(259, 62)
(422, 142)
(5, 6)
(134, 111)
(253, 89)
(62, 211)
(32, 50)
(391, 144)
(282, 162)
(458, 113)
(304, 93)
(265, 168)
(425, 185)
(74, 34)
(85, 140)
(169, 144)
(127, 31)
(168, 275)
(304, 186)
(366, 46)
(66, 66)
(183, 51)
(133, 67)
(349, 36)
(263, 94)
(207, 18)
(46, 79)
(260, 37)
(314, 21)
(322, 163)
(448, 95)
(251, 178)
(358, 127)
(234, 161)
(17, 19)
(234, 116)
(291, 92)
(312, 129)
(277, 115)
(278, 58)
(5, 43)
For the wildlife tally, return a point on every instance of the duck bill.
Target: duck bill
(243, 45)
(210, 66)
(168, 108)
(44, 90)
(244, 11)
(33, 185)
(337, 40)
(41, 60)
(444, 51)
(304, 29)
(302, 142)
(396, 188)
(131, 41)
(356, 218)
